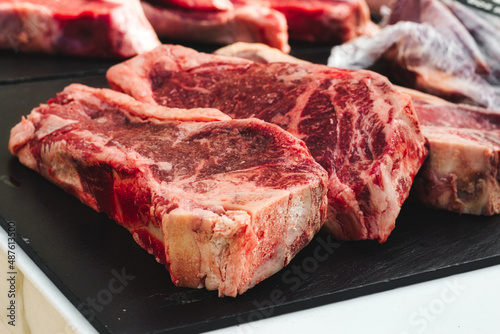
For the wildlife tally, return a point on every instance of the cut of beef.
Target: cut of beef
(105, 28)
(222, 203)
(462, 171)
(325, 21)
(356, 125)
(245, 23)
(262, 21)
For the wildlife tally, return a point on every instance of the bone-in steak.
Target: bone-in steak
(81, 28)
(462, 171)
(222, 203)
(357, 126)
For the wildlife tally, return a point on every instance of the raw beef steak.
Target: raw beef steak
(222, 203)
(461, 172)
(245, 23)
(356, 125)
(92, 28)
(325, 21)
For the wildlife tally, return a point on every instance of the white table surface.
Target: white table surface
(463, 303)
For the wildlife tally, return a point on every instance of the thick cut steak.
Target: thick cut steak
(462, 171)
(325, 21)
(222, 203)
(95, 28)
(356, 125)
(244, 23)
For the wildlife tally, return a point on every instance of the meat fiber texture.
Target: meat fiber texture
(442, 48)
(243, 23)
(222, 203)
(356, 125)
(97, 28)
(462, 171)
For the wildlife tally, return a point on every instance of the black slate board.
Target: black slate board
(120, 288)
(18, 67)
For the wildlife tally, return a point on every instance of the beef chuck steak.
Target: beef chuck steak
(93, 28)
(222, 203)
(361, 129)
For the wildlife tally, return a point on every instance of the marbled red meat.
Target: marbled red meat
(222, 203)
(355, 123)
(96, 28)
(462, 170)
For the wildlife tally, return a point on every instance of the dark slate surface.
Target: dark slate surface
(18, 67)
(120, 288)
(22, 67)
